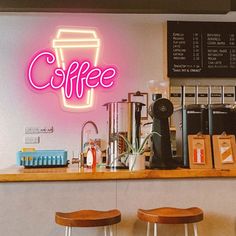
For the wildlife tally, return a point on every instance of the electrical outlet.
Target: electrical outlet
(46, 129)
(32, 140)
(38, 130)
(31, 130)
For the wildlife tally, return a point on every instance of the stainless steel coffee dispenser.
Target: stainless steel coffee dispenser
(195, 120)
(123, 118)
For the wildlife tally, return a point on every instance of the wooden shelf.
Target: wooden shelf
(72, 173)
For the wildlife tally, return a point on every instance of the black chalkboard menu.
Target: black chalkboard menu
(201, 49)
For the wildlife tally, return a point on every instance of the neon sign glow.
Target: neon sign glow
(79, 78)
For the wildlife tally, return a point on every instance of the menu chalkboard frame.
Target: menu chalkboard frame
(182, 54)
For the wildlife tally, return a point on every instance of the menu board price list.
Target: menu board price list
(201, 49)
(180, 52)
(179, 46)
(196, 47)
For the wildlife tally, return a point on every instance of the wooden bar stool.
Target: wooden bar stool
(169, 215)
(88, 218)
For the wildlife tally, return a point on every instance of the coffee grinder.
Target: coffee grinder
(160, 111)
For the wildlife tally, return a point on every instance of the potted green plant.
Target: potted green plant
(135, 152)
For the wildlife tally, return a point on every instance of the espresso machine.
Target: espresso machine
(124, 118)
(161, 155)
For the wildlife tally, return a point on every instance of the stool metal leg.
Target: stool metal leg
(155, 229)
(195, 229)
(111, 230)
(148, 228)
(66, 232)
(69, 231)
(186, 229)
(105, 230)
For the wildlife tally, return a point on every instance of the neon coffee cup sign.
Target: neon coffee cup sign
(75, 79)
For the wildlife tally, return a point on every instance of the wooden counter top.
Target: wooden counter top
(73, 173)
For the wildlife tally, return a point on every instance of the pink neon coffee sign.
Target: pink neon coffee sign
(74, 78)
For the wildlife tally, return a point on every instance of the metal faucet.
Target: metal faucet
(82, 133)
(80, 159)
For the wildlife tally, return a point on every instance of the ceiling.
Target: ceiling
(121, 6)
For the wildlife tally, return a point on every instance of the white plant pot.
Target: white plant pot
(136, 162)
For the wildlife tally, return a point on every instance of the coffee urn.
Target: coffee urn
(195, 120)
(221, 119)
(124, 118)
(233, 119)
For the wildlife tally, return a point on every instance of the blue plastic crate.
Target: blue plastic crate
(42, 158)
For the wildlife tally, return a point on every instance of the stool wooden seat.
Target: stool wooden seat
(170, 215)
(88, 218)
